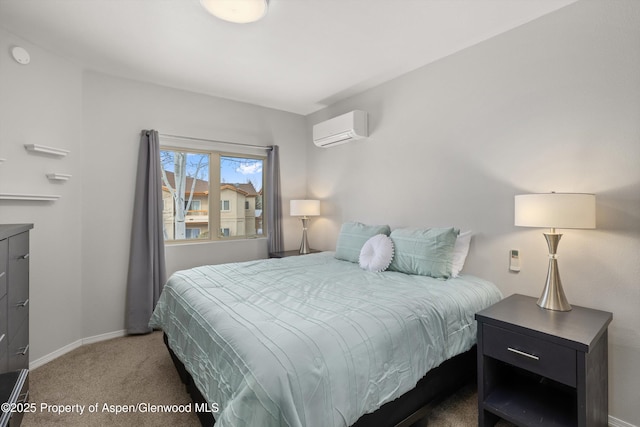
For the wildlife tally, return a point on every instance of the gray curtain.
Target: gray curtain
(147, 273)
(274, 202)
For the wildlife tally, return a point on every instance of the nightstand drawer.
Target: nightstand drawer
(533, 354)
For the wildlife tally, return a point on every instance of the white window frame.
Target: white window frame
(214, 191)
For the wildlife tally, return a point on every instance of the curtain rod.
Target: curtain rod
(190, 138)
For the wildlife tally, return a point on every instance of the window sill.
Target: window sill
(200, 242)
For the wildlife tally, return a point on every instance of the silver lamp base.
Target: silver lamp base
(304, 245)
(553, 297)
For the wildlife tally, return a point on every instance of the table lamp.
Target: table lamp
(555, 210)
(305, 209)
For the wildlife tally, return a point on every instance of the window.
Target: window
(194, 182)
(192, 233)
(193, 208)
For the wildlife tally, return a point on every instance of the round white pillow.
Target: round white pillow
(376, 254)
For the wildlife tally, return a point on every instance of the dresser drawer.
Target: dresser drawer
(17, 316)
(533, 354)
(4, 362)
(18, 351)
(18, 291)
(4, 258)
(4, 334)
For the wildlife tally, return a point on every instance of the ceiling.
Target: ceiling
(303, 56)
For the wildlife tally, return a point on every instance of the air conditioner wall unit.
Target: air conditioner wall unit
(338, 130)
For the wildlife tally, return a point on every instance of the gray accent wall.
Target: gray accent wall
(553, 105)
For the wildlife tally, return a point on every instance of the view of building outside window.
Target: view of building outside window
(187, 189)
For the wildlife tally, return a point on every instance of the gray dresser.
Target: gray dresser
(14, 296)
(14, 321)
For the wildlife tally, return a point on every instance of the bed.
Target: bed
(318, 341)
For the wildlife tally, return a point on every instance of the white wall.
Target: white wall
(40, 103)
(551, 106)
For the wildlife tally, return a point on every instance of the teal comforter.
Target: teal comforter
(312, 340)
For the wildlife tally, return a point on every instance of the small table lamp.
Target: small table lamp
(305, 209)
(555, 210)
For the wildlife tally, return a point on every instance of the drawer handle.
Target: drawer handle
(22, 351)
(25, 256)
(24, 397)
(2, 337)
(522, 353)
(2, 274)
(23, 303)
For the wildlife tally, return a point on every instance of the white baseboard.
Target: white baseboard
(104, 337)
(70, 347)
(54, 355)
(615, 422)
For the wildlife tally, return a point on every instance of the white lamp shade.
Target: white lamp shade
(556, 210)
(238, 11)
(305, 207)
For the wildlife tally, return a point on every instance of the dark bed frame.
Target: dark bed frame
(412, 406)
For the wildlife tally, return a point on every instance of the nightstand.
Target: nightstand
(285, 254)
(539, 367)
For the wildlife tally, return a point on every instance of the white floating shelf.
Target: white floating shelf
(58, 176)
(46, 150)
(35, 197)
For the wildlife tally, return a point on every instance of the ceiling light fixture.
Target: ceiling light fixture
(237, 11)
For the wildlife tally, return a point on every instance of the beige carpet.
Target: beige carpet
(138, 370)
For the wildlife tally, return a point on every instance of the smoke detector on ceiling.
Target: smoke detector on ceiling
(21, 55)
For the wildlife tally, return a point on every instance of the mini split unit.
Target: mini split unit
(341, 129)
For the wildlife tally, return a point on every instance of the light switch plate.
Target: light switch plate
(514, 260)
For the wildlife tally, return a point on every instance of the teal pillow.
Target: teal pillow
(353, 236)
(425, 252)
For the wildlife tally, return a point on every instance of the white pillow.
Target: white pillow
(460, 251)
(376, 254)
